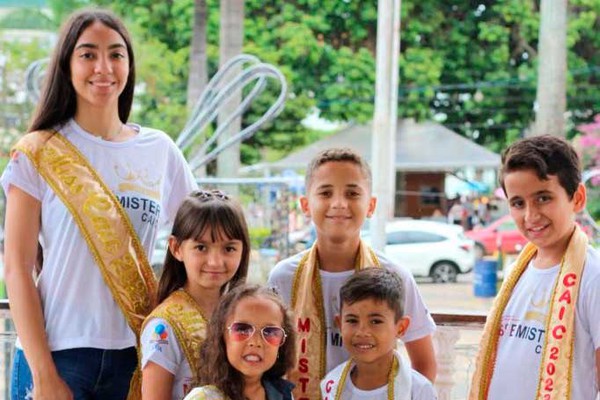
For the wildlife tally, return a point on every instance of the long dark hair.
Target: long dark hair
(58, 101)
(202, 210)
(219, 372)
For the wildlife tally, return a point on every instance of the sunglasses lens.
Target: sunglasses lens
(273, 335)
(240, 331)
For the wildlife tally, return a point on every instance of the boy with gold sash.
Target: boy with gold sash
(542, 338)
(338, 199)
(371, 320)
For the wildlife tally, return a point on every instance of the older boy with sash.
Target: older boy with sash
(372, 319)
(542, 337)
(338, 199)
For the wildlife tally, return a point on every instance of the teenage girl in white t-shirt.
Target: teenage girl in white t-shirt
(208, 255)
(74, 340)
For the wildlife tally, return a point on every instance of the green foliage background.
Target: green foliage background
(470, 65)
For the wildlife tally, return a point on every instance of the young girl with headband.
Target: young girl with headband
(208, 255)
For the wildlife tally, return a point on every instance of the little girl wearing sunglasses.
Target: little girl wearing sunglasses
(249, 346)
(208, 255)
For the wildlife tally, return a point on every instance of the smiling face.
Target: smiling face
(370, 330)
(208, 264)
(543, 211)
(99, 67)
(338, 200)
(254, 356)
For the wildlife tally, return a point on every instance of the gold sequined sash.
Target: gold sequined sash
(307, 304)
(556, 366)
(183, 314)
(103, 223)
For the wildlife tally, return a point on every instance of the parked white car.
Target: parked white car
(440, 251)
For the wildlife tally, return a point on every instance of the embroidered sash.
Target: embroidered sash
(307, 304)
(103, 223)
(183, 314)
(557, 357)
(399, 380)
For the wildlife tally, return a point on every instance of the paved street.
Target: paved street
(453, 297)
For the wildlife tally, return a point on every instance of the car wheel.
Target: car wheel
(479, 251)
(443, 272)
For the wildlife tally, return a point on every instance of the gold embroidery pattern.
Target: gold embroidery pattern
(102, 222)
(307, 304)
(184, 315)
(572, 264)
(556, 366)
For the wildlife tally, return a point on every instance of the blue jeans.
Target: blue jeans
(89, 373)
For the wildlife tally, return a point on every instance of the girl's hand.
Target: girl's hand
(51, 387)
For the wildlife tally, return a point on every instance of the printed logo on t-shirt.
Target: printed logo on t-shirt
(187, 385)
(335, 336)
(160, 337)
(532, 327)
(150, 210)
(138, 180)
(143, 191)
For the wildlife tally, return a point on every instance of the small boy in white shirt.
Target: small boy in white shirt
(371, 321)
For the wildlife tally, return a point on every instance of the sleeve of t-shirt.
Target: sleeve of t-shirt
(21, 173)
(281, 277)
(422, 389)
(425, 392)
(592, 309)
(274, 279)
(421, 323)
(160, 345)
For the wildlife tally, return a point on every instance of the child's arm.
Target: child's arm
(422, 357)
(157, 382)
(418, 337)
(598, 365)
(161, 358)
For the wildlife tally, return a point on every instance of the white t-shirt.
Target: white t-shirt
(150, 177)
(205, 393)
(523, 330)
(421, 323)
(421, 389)
(160, 345)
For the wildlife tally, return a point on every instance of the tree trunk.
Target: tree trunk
(551, 98)
(198, 76)
(231, 38)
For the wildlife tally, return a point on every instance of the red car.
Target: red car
(503, 232)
